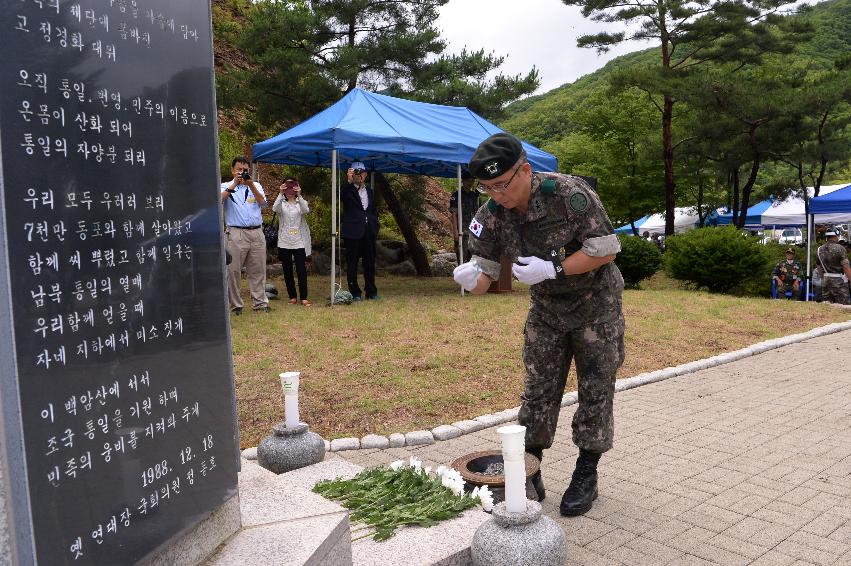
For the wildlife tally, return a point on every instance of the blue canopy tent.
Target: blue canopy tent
(829, 208)
(387, 134)
(832, 207)
(627, 228)
(780, 213)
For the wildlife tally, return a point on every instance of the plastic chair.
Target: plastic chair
(788, 294)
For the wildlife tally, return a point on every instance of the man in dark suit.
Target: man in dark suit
(359, 229)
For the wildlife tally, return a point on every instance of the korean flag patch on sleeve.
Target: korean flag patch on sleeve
(476, 227)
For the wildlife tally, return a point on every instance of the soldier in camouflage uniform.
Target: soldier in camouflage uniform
(556, 230)
(834, 260)
(787, 273)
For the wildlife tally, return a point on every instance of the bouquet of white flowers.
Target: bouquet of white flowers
(403, 494)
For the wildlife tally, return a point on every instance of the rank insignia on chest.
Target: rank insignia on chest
(537, 207)
(578, 202)
(476, 227)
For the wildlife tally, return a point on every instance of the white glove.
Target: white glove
(535, 270)
(467, 275)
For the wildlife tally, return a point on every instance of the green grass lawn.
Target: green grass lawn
(423, 355)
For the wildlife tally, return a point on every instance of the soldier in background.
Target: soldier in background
(557, 231)
(834, 260)
(469, 206)
(787, 274)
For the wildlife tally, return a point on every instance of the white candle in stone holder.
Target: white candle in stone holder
(289, 383)
(513, 439)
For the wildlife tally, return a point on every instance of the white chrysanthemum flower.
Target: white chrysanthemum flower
(426, 471)
(475, 493)
(486, 498)
(415, 463)
(441, 470)
(397, 465)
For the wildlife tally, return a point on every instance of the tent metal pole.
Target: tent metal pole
(333, 221)
(460, 216)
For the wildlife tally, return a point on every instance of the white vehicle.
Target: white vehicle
(791, 237)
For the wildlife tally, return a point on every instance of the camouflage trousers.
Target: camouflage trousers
(598, 350)
(835, 290)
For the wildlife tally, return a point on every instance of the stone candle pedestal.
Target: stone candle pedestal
(518, 539)
(290, 448)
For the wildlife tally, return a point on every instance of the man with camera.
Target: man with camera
(359, 230)
(243, 200)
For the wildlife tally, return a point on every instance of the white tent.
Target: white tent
(685, 219)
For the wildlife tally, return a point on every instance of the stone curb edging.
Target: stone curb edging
(460, 428)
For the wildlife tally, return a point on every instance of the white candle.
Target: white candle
(289, 383)
(513, 439)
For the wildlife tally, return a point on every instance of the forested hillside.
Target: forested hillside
(765, 111)
(742, 129)
(543, 119)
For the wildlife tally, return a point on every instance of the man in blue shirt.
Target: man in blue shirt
(243, 200)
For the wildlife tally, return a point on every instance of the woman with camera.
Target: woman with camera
(293, 238)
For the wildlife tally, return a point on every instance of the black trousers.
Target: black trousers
(287, 258)
(356, 250)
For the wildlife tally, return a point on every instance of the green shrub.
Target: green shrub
(717, 258)
(637, 260)
(319, 220)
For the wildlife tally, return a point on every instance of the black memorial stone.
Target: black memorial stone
(117, 394)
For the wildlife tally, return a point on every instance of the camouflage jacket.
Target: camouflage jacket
(832, 256)
(564, 214)
(787, 272)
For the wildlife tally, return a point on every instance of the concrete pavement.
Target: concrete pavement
(744, 463)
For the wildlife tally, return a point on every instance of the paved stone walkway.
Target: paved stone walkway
(745, 463)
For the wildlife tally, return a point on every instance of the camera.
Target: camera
(289, 187)
(245, 175)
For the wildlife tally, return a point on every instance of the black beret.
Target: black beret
(495, 156)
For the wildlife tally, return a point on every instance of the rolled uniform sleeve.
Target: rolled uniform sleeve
(593, 227)
(485, 245)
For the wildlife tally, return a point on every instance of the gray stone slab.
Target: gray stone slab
(445, 544)
(5, 505)
(445, 432)
(397, 440)
(468, 426)
(374, 441)
(250, 453)
(267, 498)
(200, 541)
(313, 541)
(490, 420)
(339, 444)
(418, 438)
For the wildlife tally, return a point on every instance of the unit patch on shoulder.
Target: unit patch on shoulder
(548, 186)
(578, 202)
(476, 227)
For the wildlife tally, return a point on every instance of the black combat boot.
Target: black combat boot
(582, 491)
(537, 480)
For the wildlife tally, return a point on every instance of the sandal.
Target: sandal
(293, 301)
(306, 303)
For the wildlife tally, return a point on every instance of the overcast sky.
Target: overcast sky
(539, 33)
